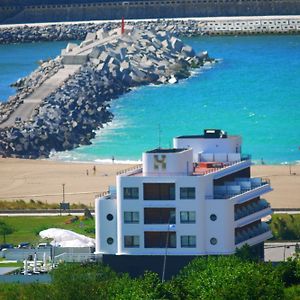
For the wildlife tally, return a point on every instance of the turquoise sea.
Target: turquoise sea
(254, 91)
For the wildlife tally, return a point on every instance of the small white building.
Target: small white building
(197, 198)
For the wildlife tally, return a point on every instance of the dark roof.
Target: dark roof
(168, 150)
(208, 134)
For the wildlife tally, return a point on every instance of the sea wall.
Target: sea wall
(58, 11)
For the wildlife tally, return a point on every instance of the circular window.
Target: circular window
(213, 241)
(110, 241)
(109, 217)
(213, 217)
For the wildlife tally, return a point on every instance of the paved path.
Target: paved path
(26, 109)
(5, 270)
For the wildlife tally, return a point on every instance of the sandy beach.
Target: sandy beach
(43, 179)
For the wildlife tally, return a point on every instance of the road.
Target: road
(276, 252)
(26, 109)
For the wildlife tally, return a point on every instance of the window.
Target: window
(213, 241)
(131, 193)
(109, 217)
(187, 217)
(159, 191)
(158, 239)
(188, 241)
(187, 193)
(110, 240)
(131, 241)
(213, 217)
(159, 216)
(131, 217)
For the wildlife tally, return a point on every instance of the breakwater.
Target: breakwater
(185, 27)
(18, 11)
(109, 64)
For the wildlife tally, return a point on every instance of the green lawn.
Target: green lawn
(26, 229)
(11, 265)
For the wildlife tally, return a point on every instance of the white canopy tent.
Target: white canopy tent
(66, 238)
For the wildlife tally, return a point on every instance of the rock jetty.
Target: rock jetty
(78, 31)
(27, 85)
(111, 64)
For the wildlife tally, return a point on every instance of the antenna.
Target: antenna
(159, 136)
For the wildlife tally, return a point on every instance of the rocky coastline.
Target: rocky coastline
(69, 116)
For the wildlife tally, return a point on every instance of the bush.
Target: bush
(289, 271)
(227, 278)
(285, 227)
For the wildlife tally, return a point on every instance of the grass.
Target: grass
(26, 229)
(11, 265)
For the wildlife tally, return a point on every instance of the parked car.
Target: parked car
(6, 246)
(24, 245)
(43, 245)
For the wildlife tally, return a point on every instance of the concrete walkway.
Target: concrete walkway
(26, 109)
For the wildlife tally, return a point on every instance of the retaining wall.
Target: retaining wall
(251, 25)
(104, 10)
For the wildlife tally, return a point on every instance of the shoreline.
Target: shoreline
(41, 180)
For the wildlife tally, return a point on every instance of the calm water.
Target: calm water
(19, 60)
(254, 91)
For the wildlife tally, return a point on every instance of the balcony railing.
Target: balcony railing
(105, 194)
(251, 232)
(131, 170)
(250, 209)
(238, 187)
(245, 157)
(205, 171)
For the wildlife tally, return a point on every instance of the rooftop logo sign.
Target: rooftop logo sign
(160, 162)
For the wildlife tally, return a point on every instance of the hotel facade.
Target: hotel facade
(197, 198)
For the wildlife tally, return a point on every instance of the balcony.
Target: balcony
(251, 208)
(242, 189)
(252, 235)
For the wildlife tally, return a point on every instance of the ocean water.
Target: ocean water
(19, 60)
(254, 91)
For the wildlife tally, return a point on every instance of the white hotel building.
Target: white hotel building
(197, 198)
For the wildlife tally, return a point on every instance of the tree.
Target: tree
(5, 229)
(227, 277)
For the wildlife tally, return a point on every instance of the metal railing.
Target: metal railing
(228, 195)
(131, 169)
(250, 209)
(225, 165)
(103, 194)
(250, 233)
(75, 257)
(245, 157)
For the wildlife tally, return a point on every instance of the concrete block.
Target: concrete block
(74, 59)
(176, 44)
(85, 43)
(91, 36)
(70, 47)
(165, 44)
(101, 34)
(96, 51)
(188, 51)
